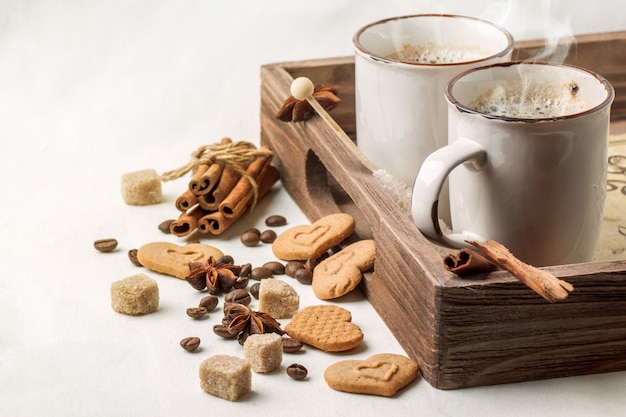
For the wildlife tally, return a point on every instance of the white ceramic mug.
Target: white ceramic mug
(533, 181)
(400, 109)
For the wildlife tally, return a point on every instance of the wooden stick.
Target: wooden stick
(542, 282)
(302, 89)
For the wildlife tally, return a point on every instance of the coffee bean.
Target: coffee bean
(226, 259)
(165, 226)
(291, 345)
(253, 230)
(222, 331)
(105, 245)
(276, 267)
(197, 312)
(250, 238)
(297, 371)
(245, 270)
(190, 343)
(132, 255)
(209, 302)
(242, 282)
(275, 220)
(240, 296)
(254, 290)
(260, 272)
(304, 276)
(291, 267)
(268, 236)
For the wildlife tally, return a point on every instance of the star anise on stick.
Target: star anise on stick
(215, 277)
(294, 110)
(243, 321)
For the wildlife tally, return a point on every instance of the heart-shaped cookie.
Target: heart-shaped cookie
(310, 241)
(383, 374)
(326, 327)
(171, 259)
(340, 273)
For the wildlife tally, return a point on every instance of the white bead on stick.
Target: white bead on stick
(302, 89)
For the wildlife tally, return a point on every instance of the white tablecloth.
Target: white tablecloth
(91, 90)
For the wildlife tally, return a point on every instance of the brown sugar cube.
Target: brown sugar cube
(225, 376)
(264, 351)
(277, 298)
(135, 295)
(141, 188)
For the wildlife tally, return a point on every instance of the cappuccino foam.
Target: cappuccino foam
(516, 100)
(431, 53)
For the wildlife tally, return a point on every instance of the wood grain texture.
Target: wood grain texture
(489, 329)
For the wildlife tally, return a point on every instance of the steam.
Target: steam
(537, 19)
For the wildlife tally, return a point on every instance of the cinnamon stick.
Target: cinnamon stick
(541, 281)
(467, 262)
(196, 178)
(211, 200)
(186, 201)
(204, 181)
(186, 222)
(236, 202)
(208, 181)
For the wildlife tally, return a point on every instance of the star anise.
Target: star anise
(294, 110)
(243, 321)
(215, 277)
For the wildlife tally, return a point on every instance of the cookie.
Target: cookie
(141, 188)
(326, 327)
(340, 273)
(225, 376)
(310, 241)
(171, 259)
(383, 374)
(135, 295)
(277, 298)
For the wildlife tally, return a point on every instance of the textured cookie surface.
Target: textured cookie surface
(135, 295)
(383, 374)
(326, 327)
(171, 259)
(340, 273)
(310, 241)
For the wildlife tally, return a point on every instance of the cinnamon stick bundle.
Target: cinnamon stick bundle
(227, 180)
(542, 282)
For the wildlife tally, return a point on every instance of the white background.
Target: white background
(90, 90)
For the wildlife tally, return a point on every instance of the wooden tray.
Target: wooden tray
(490, 329)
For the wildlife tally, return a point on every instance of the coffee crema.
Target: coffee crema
(431, 53)
(530, 101)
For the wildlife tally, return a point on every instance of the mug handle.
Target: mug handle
(428, 184)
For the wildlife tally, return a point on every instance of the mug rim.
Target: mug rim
(610, 90)
(360, 49)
